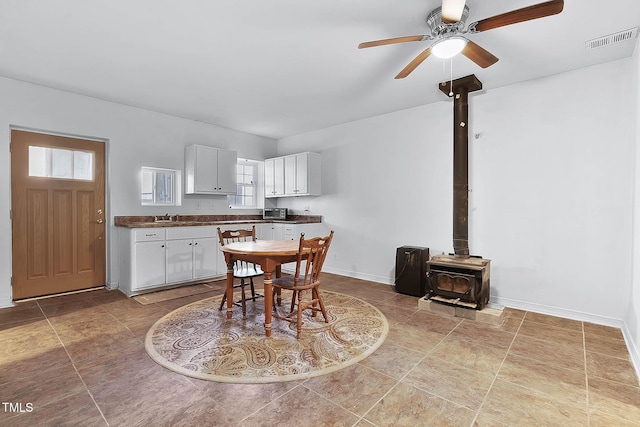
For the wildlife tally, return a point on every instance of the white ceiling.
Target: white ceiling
(282, 67)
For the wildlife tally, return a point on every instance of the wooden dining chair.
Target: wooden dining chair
(311, 255)
(242, 270)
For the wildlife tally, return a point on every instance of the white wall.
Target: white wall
(551, 178)
(632, 312)
(135, 137)
(380, 176)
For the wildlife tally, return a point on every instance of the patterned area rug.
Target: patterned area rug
(198, 341)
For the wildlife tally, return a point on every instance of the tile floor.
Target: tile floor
(79, 360)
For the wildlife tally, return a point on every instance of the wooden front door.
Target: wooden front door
(57, 211)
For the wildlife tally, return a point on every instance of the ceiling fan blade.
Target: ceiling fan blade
(479, 55)
(392, 41)
(414, 64)
(452, 10)
(536, 11)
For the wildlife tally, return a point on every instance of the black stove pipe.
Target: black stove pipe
(460, 89)
(461, 172)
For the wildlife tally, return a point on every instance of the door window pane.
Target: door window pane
(60, 163)
(83, 165)
(38, 164)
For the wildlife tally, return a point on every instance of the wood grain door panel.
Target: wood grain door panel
(37, 251)
(62, 239)
(58, 225)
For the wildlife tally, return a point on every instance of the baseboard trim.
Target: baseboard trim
(6, 302)
(559, 312)
(634, 352)
(357, 275)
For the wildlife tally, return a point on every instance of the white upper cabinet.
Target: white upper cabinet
(299, 173)
(274, 177)
(210, 170)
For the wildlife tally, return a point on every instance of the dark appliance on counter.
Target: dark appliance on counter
(411, 270)
(274, 213)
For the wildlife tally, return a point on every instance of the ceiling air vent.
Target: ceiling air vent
(618, 37)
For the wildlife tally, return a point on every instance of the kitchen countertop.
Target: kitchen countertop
(210, 220)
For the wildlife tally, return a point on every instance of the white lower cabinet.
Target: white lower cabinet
(205, 255)
(278, 231)
(142, 259)
(191, 253)
(155, 257)
(264, 231)
(191, 259)
(282, 231)
(149, 262)
(179, 260)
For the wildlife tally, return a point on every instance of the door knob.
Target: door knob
(100, 221)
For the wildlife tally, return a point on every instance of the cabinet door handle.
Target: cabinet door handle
(196, 243)
(162, 246)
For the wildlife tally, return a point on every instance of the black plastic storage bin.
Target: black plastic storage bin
(411, 270)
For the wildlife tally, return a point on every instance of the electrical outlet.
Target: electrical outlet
(198, 205)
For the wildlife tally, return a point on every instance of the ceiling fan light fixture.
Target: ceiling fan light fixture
(448, 47)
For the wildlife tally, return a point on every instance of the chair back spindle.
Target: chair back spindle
(311, 254)
(242, 270)
(310, 258)
(241, 235)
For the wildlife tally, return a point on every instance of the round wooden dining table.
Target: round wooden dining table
(270, 255)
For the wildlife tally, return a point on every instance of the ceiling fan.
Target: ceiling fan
(447, 25)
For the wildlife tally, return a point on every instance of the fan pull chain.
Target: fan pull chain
(451, 76)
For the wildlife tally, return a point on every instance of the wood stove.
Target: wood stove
(460, 279)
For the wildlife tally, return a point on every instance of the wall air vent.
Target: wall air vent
(618, 37)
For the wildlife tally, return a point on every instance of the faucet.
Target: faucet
(166, 218)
